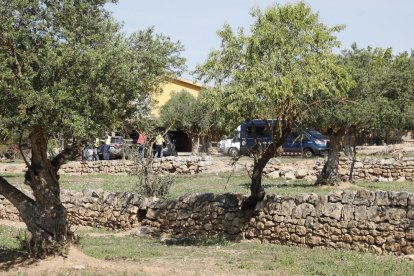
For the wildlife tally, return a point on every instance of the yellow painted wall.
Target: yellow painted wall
(175, 85)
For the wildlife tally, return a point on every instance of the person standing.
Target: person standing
(105, 148)
(95, 150)
(159, 142)
(141, 145)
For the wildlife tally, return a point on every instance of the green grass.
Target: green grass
(9, 242)
(250, 257)
(209, 183)
(388, 186)
(224, 257)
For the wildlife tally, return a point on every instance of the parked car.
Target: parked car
(116, 148)
(307, 143)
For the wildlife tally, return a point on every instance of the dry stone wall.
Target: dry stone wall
(379, 222)
(121, 210)
(176, 165)
(374, 169)
(366, 169)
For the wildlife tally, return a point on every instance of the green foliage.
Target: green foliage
(181, 110)
(277, 71)
(380, 100)
(193, 115)
(281, 70)
(154, 184)
(66, 66)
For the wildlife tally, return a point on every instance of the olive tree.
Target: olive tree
(189, 114)
(66, 68)
(378, 102)
(278, 70)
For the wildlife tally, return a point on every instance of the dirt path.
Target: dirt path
(78, 263)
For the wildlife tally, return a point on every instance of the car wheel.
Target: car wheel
(307, 153)
(233, 152)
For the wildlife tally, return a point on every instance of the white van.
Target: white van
(231, 144)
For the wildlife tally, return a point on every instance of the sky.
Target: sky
(376, 23)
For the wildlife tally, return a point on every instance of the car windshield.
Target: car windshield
(316, 134)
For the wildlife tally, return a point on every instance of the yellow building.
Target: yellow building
(175, 85)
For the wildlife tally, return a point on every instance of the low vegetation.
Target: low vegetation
(221, 257)
(211, 183)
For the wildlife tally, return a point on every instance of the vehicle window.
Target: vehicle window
(261, 131)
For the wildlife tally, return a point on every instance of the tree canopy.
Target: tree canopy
(278, 70)
(66, 68)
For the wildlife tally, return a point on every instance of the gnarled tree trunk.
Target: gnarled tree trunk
(45, 215)
(329, 174)
(261, 159)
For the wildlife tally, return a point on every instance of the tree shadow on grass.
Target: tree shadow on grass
(296, 185)
(307, 185)
(10, 258)
(265, 186)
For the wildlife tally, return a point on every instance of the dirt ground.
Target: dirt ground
(77, 263)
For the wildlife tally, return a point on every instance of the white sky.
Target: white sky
(376, 23)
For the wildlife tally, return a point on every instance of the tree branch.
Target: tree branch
(21, 151)
(69, 153)
(14, 195)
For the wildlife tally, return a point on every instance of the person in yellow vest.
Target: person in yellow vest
(159, 142)
(95, 150)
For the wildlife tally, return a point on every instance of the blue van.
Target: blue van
(307, 143)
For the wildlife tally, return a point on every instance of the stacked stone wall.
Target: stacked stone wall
(374, 169)
(365, 169)
(379, 222)
(176, 165)
(119, 210)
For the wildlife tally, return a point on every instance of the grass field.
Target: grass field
(210, 183)
(221, 257)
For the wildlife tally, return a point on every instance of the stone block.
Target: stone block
(348, 197)
(395, 214)
(303, 210)
(398, 198)
(381, 198)
(287, 207)
(301, 173)
(333, 210)
(335, 196)
(347, 212)
(364, 197)
(360, 213)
